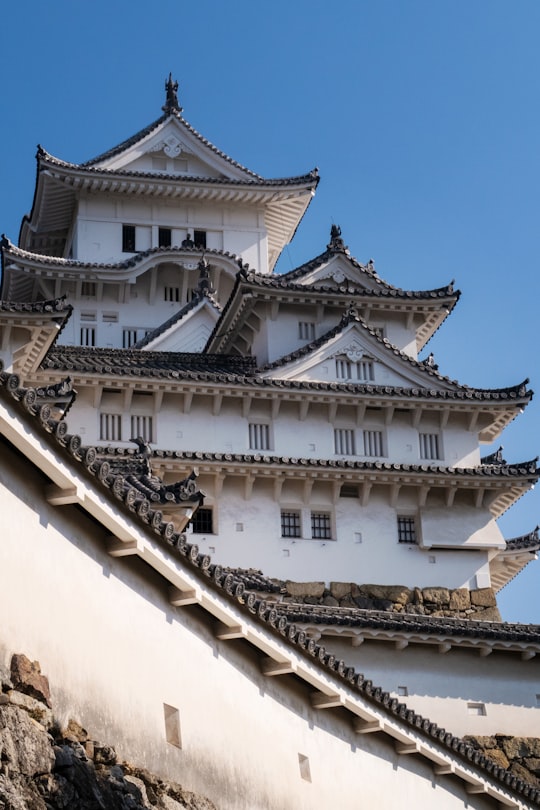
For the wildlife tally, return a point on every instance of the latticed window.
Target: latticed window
(429, 446)
(344, 444)
(129, 337)
(290, 524)
(88, 288)
(361, 371)
(202, 521)
(171, 294)
(128, 238)
(259, 437)
(321, 526)
(164, 237)
(373, 443)
(406, 529)
(142, 426)
(88, 335)
(110, 427)
(306, 330)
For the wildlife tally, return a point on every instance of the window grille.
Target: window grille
(290, 524)
(344, 442)
(128, 238)
(362, 371)
(429, 446)
(88, 288)
(129, 337)
(306, 330)
(110, 317)
(88, 336)
(202, 521)
(406, 529)
(348, 491)
(321, 528)
(373, 443)
(110, 427)
(142, 426)
(172, 294)
(259, 437)
(164, 237)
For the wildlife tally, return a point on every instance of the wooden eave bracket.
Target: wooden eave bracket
(122, 548)
(362, 726)
(226, 632)
(61, 496)
(271, 667)
(320, 700)
(180, 597)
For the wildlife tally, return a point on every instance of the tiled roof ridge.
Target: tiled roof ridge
(141, 134)
(525, 541)
(525, 468)
(388, 291)
(133, 260)
(142, 511)
(54, 359)
(47, 306)
(309, 177)
(197, 299)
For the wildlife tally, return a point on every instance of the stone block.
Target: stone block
(483, 597)
(490, 614)
(330, 601)
(24, 743)
(437, 596)
(392, 593)
(460, 599)
(74, 732)
(305, 588)
(522, 773)
(498, 757)
(532, 764)
(27, 678)
(35, 708)
(340, 589)
(520, 747)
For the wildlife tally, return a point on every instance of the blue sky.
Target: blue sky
(423, 117)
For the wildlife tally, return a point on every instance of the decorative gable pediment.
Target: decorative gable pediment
(340, 271)
(355, 355)
(188, 333)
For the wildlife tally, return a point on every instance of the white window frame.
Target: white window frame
(344, 441)
(306, 330)
(288, 514)
(259, 436)
(430, 446)
(328, 528)
(142, 425)
(110, 426)
(374, 443)
(407, 529)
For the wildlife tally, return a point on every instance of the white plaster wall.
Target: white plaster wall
(440, 686)
(115, 652)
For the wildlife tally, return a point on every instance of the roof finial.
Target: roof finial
(336, 242)
(171, 100)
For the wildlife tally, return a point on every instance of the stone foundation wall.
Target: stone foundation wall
(519, 755)
(480, 605)
(44, 767)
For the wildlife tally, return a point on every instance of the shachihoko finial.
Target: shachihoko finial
(171, 99)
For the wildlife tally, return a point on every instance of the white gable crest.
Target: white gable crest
(172, 146)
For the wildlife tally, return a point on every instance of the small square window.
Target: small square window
(290, 524)
(406, 529)
(202, 521)
(305, 771)
(171, 294)
(344, 443)
(429, 446)
(373, 443)
(402, 691)
(171, 716)
(110, 427)
(164, 237)
(142, 426)
(128, 238)
(259, 436)
(477, 708)
(306, 330)
(348, 491)
(321, 526)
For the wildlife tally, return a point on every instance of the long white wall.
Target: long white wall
(115, 652)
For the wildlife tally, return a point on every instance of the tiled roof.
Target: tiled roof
(254, 181)
(240, 370)
(233, 588)
(10, 249)
(197, 299)
(38, 307)
(527, 542)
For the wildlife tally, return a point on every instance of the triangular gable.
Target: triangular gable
(173, 147)
(355, 354)
(340, 271)
(188, 331)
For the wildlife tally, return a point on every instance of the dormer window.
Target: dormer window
(355, 371)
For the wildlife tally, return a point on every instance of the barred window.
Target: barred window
(110, 427)
(306, 330)
(373, 443)
(199, 237)
(129, 337)
(344, 444)
(88, 335)
(202, 521)
(406, 529)
(321, 526)
(128, 238)
(290, 524)
(259, 437)
(362, 371)
(171, 294)
(429, 446)
(142, 426)
(88, 288)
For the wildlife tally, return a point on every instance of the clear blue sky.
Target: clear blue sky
(423, 117)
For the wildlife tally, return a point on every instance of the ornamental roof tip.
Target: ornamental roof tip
(171, 96)
(530, 541)
(336, 243)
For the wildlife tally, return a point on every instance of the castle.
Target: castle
(289, 424)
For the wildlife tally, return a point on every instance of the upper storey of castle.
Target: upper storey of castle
(165, 186)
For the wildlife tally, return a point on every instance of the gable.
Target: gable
(172, 148)
(354, 355)
(189, 333)
(340, 271)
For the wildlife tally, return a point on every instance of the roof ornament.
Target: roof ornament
(494, 458)
(204, 284)
(144, 452)
(171, 100)
(336, 242)
(430, 362)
